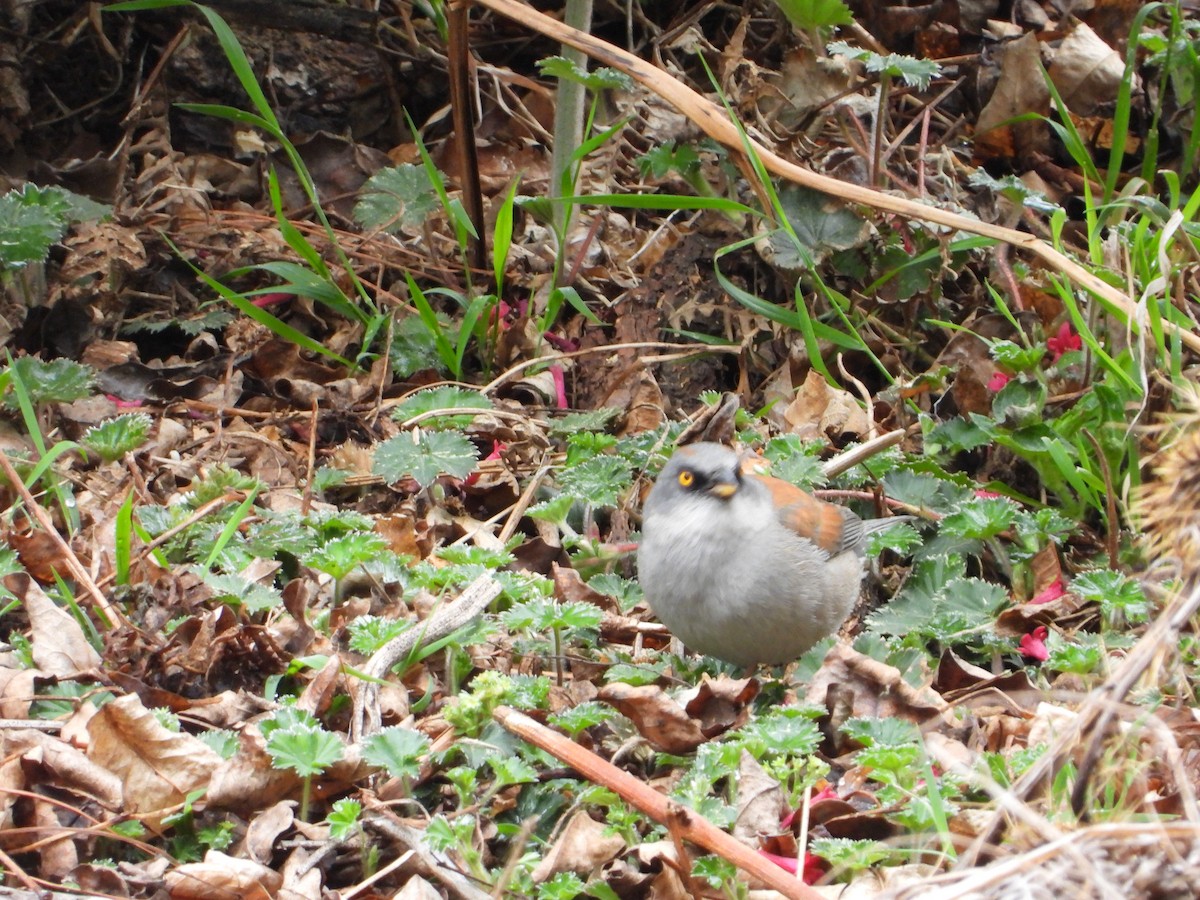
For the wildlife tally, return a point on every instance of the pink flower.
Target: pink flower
(1053, 592)
(987, 495)
(560, 385)
(565, 345)
(264, 300)
(814, 866)
(497, 449)
(998, 380)
(1033, 645)
(1064, 341)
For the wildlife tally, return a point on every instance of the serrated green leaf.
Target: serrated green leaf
(234, 590)
(306, 751)
(396, 750)
(886, 732)
(115, 437)
(821, 224)
(602, 78)
(342, 555)
(433, 453)
(599, 480)
(57, 381)
(981, 518)
(446, 397)
(396, 198)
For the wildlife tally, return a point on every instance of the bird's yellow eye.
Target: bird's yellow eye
(686, 478)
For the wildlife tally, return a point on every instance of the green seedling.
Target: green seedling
(306, 749)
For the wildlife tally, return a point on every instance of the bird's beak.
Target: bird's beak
(724, 489)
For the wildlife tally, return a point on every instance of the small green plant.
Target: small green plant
(816, 18)
(113, 438)
(541, 615)
(912, 71)
(34, 218)
(850, 856)
(424, 455)
(297, 741)
(472, 710)
(397, 750)
(340, 556)
(893, 754)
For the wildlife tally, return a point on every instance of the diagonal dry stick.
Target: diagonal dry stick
(682, 821)
(714, 121)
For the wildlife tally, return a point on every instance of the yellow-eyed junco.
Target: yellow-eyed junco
(744, 567)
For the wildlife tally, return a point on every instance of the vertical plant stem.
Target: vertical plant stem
(464, 128)
(568, 123)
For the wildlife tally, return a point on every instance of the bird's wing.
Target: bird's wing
(831, 527)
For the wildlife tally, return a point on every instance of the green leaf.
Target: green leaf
(236, 591)
(585, 421)
(115, 437)
(981, 518)
(343, 819)
(396, 198)
(425, 455)
(599, 79)
(34, 218)
(847, 853)
(342, 555)
(446, 397)
(807, 15)
(58, 381)
(888, 732)
(782, 732)
(306, 751)
(822, 225)
(1019, 403)
(1116, 593)
(599, 480)
(581, 717)
(914, 72)
(369, 633)
(554, 510)
(955, 436)
(396, 750)
(512, 770)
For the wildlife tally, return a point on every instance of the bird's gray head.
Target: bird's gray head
(703, 471)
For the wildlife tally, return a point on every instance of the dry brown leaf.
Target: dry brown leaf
(721, 703)
(658, 718)
(761, 805)
(59, 646)
(158, 768)
(264, 830)
(852, 685)
(223, 877)
(583, 845)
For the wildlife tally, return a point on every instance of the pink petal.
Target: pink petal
(1053, 592)
(265, 300)
(560, 386)
(997, 381)
(565, 345)
(1063, 341)
(1033, 645)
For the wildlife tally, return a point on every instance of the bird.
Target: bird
(745, 567)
